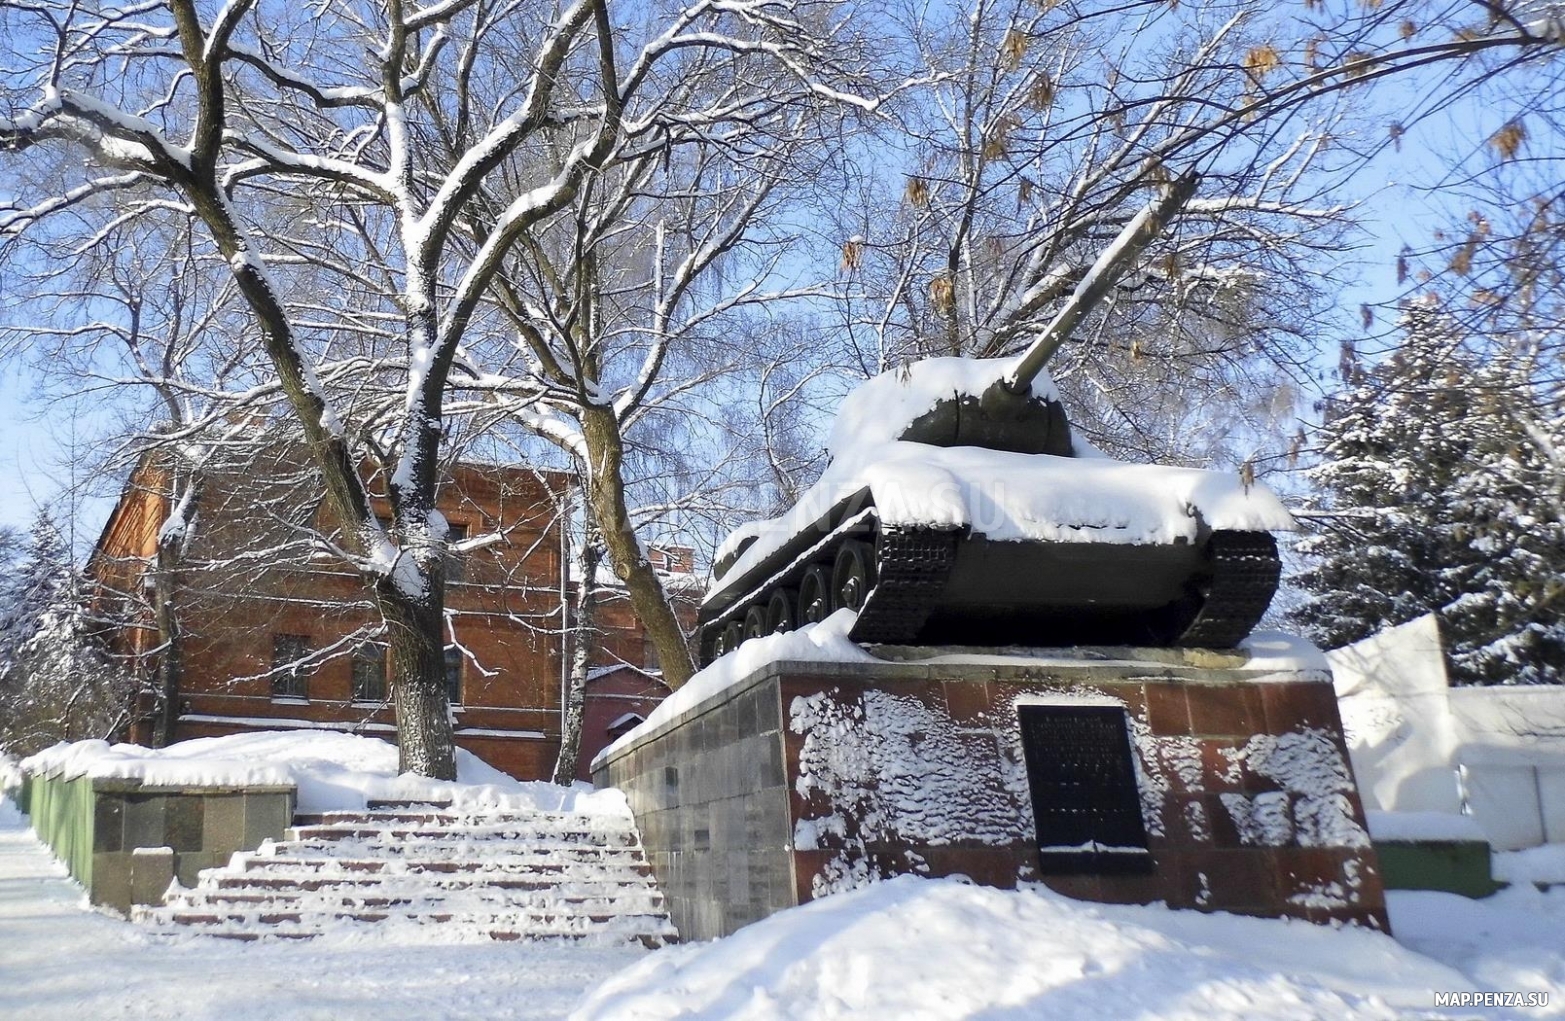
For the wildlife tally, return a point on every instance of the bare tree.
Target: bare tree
(1037, 136)
(415, 194)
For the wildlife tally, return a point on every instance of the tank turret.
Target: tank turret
(958, 509)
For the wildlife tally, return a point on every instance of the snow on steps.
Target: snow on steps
(443, 874)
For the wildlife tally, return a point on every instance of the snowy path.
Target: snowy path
(903, 951)
(60, 963)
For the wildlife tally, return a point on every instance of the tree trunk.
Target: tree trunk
(583, 639)
(417, 665)
(166, 586)
(171, 658)
(606, 501)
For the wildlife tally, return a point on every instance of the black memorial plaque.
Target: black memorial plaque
(1083, 784)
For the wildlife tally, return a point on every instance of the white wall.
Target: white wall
(1419, 745)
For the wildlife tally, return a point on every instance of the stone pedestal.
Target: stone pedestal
(808, 778)
(125, 840)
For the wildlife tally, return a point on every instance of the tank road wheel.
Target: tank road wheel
(755, 622)
(853, 576)
(728, 639)
(814, 596)
(779, 611)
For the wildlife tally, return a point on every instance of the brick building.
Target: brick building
(278, 633)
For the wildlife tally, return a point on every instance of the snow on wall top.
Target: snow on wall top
(826, 642)
(1003, 495)
(332, 772)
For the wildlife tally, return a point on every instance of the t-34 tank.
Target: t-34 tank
(958, 509)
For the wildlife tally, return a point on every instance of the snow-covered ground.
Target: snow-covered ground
(905, 949)
(62, 962)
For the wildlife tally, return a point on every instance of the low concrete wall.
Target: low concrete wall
(808, 778)
(125, 841)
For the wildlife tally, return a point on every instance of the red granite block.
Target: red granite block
(998, 867)
(1293, 706)
(1168, 709)
(1224, 833)
(1368, 918)
(1079, 886)
(806, 866)
(1187, 822)
(792, 686)
(1309, 876)
(1218, 769)
(1002, 700)
(1139, 888)
(931, 693)
(1218, 880)
(969, 703)
(1225, 710)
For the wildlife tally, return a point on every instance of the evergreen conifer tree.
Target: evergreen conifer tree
(55, 683)
(1441, 495)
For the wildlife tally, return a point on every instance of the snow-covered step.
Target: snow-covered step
(435, 872)
(250, 902)
(447, 834)
(562, 862)
(435, 848)
(648, 928)
(575, 821)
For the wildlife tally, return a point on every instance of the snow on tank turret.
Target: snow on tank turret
(958, 509)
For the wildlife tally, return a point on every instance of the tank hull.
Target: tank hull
(930, 586)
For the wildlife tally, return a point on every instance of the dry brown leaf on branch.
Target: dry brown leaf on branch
(1013, 48)
(1262, 60)
(1508, 140)
(916, 193)
(1041, 95)
(997, 145)
(1359, 63)
(1462, 261)
(853, 252)
(942, 294)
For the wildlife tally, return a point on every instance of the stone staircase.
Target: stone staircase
(432, 874)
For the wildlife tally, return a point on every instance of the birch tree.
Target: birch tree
(413, 193)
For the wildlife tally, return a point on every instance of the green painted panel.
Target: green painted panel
(1454, 866)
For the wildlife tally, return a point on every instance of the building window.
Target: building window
(454, 674)
(369, 673)
(290, 677)
(456, 562)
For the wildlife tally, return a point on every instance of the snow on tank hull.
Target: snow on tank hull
(971, 546)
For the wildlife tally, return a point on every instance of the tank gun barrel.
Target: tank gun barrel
(1105, 272)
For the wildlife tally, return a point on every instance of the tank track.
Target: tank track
(912, 569)
(1245, 571)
